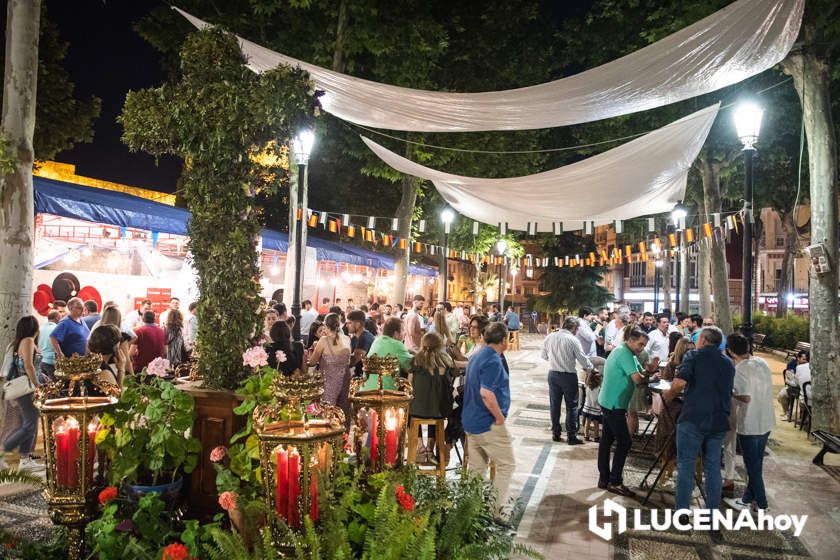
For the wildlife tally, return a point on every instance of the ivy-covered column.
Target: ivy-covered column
(231, 127)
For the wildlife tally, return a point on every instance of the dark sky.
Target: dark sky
(107, 58)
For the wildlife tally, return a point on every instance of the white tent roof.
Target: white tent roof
(644, 176)
(739, 41)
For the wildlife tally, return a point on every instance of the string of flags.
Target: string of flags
(652, 247)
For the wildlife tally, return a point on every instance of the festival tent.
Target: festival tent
(644, 176)
(732, 44)
(90, 204)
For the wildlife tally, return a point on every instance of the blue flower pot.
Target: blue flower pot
(169, 492)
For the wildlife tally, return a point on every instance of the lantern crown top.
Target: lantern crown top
(75, 376)
(78, 366)
(382, 365)
(300, 386)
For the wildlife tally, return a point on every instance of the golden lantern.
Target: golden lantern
(380, 401)
(70, 421)
(299, 441)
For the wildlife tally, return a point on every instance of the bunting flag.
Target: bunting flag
(619, 226)
(351, 231)
(672, 239)
(395, 224)
(689, 235)
(707, 230)
(313, 220)
(651, 225)
(475, 227)
(421, 226)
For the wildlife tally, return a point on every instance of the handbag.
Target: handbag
(18, 386)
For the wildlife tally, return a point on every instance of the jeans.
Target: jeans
(690, 442)
(24, 437)
(495, 445)
(752, 450)
(614, 429)
(563, 386)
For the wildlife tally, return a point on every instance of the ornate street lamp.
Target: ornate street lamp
(300, 440)
(679, 214)
(301, 148)
(748, 124)
(446, 217)
(70, 420)
(380, 399)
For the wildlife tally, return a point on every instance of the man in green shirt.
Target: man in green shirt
(621, 375)
(390, 344)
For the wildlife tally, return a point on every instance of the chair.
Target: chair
(414, 434)
(805, 408)
(513, 340)
(793, 402)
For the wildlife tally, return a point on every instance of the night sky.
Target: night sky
(107, 58)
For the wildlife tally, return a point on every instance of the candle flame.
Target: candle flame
(72, 423)
(390, 420)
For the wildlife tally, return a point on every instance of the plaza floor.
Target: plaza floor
(557, 485)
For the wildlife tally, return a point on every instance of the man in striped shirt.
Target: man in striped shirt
(562, 349)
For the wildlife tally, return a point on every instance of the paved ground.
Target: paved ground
(557, 484)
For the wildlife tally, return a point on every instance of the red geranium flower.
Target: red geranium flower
(405, 500)
(108, 494)
(176, 551)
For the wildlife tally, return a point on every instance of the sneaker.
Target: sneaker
(29, 464)
(574, 441)
(556, 437)
(602, 484)
(737, 503)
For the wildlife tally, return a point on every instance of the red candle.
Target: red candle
(294, 488)
(390, 437)
(281, 498)
(61, 453)
(92, 430)
(72, 452)
(374, 436)
(313, 494)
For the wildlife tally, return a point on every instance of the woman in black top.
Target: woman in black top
(281, 341)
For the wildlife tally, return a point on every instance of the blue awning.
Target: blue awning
(79, 202)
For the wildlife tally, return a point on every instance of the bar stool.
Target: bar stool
(465, 463)
(440, 437)
(513, 340)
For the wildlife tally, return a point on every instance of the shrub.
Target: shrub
(781, 332)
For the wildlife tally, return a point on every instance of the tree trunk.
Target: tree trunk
(405, 212)
(338, 53)
(811, 78)
(710, 174)
(17, 202)
(685, 277)
(791, 251)
(667, 300)
(703, 287)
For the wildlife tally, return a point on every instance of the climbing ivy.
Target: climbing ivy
(231, 127)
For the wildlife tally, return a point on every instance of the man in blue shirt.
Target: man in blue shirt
(512, 320)
(707, 377)
(71, 334)
(486, 404)
(45, 346)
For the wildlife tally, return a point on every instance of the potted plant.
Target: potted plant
(148, 438)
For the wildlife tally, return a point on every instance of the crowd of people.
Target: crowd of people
(717, 395)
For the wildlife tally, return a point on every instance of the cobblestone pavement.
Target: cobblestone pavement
(557, 485)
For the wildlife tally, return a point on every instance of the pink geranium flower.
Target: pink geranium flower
(281, 356)
(228, 501)
(218, 453)
(158, 367)
(255, 357)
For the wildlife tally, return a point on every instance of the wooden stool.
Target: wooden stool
(467, 457)
(440, 440)
(513, 340)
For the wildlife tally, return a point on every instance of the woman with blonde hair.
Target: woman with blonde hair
(431, 376)
(111, 316)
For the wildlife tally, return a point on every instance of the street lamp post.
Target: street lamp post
(748, 124)
(501, 247)
(301, 147)
(446, 216)
(678, 214)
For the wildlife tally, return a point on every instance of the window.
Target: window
(780, 242)
(638, 274)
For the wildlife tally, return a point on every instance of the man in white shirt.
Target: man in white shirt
(174, 304)
(585, 334)
(135, 318)
(192, 327)
(562, 349)
(413, 331)
(657, 346)
(753, 390)
(803, 376)
(307, 316)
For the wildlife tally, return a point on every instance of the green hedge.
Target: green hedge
(782, 332)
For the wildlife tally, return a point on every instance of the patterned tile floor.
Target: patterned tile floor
(557, 484)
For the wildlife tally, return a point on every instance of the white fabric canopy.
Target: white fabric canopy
(739, 41)
(644, 176)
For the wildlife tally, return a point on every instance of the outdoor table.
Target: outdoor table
(664, 455)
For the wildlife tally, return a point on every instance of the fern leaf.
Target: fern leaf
(12, 476)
